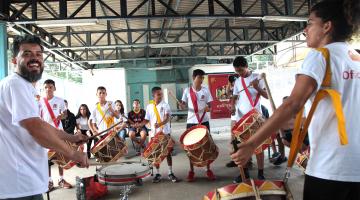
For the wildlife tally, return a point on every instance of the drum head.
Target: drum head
(194, 136)
(124, 169)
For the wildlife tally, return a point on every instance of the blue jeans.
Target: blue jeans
(122, 134)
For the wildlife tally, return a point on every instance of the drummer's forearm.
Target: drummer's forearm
(46, 135)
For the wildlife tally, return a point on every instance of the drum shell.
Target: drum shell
(196, 150)
(247, 126)
(268, 190)
(302, 159)
(61, 160)
(158, 148)
(110, 148)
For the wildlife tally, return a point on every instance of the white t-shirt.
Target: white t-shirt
(98, 119)
(329, 159)
(83, 123)
(24, 163)
(57, 104)
(163, 109)
(203, 97)
(243, 104)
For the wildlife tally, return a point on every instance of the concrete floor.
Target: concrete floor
(183, 190)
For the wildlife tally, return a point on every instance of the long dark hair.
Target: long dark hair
(78, 115)
(122, 106)
(344, 16)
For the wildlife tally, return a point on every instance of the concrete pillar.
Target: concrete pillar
(3, 51)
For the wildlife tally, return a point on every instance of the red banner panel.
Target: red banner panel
(220, 107)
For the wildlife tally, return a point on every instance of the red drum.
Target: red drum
(303, 158)
(110, 148)
(199, 146)
(266, 190)
(247, 126)
(159, 148)
(60, 159)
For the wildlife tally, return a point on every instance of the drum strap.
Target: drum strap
(299, 134)
(253, 103)
(196, 108)
(108, 120)
(158, 119)
(51, 112)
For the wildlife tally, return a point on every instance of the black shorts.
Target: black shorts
(322, 189)
(137, 134)
(288, 137)
(207, 124)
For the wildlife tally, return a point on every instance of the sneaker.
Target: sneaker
(237, 180)
(231, 164)
(261, 177)
(280, 160)
(157, 178)
(173, 178)
(275, 156)
(210, 175)
(51, 186)
(64, 184)
(191, 176)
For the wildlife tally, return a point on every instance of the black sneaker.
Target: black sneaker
(261, 177)
(280, 160)
(274, 157)
(173, 178)
(157, 178)
(231, 164)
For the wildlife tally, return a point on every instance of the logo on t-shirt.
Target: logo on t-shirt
(351, 74)
(202, 97)
(55, 106)
(162, 109)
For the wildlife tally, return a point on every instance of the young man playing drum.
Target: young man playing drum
(247, 99)
(53, 110)
(197, 98)
(103, 116)
(137, 128)
(158, 114)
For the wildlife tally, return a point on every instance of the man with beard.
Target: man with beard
(24, 137)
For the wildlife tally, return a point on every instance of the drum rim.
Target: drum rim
(280, 191)
(101, 143)
(189, 130)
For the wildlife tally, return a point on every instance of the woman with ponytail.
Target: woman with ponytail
(333, 171)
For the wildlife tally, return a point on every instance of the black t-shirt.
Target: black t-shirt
(137, 117)
(69, 123)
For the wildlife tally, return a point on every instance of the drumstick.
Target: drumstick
(242, 173)
(106, 130)
(174, 97)
(272, 104)
(255, 189)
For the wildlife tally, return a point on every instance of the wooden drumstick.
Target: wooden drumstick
(272, 104)
(174, 97)
(106, 130)
(242, 173)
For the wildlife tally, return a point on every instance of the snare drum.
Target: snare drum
(127, 173)
(110, 148)
(199, 146)
(247, 126)
(267, 190)
(60, 159)
(159, 147)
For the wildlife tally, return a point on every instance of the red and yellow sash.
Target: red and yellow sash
(109, 121)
